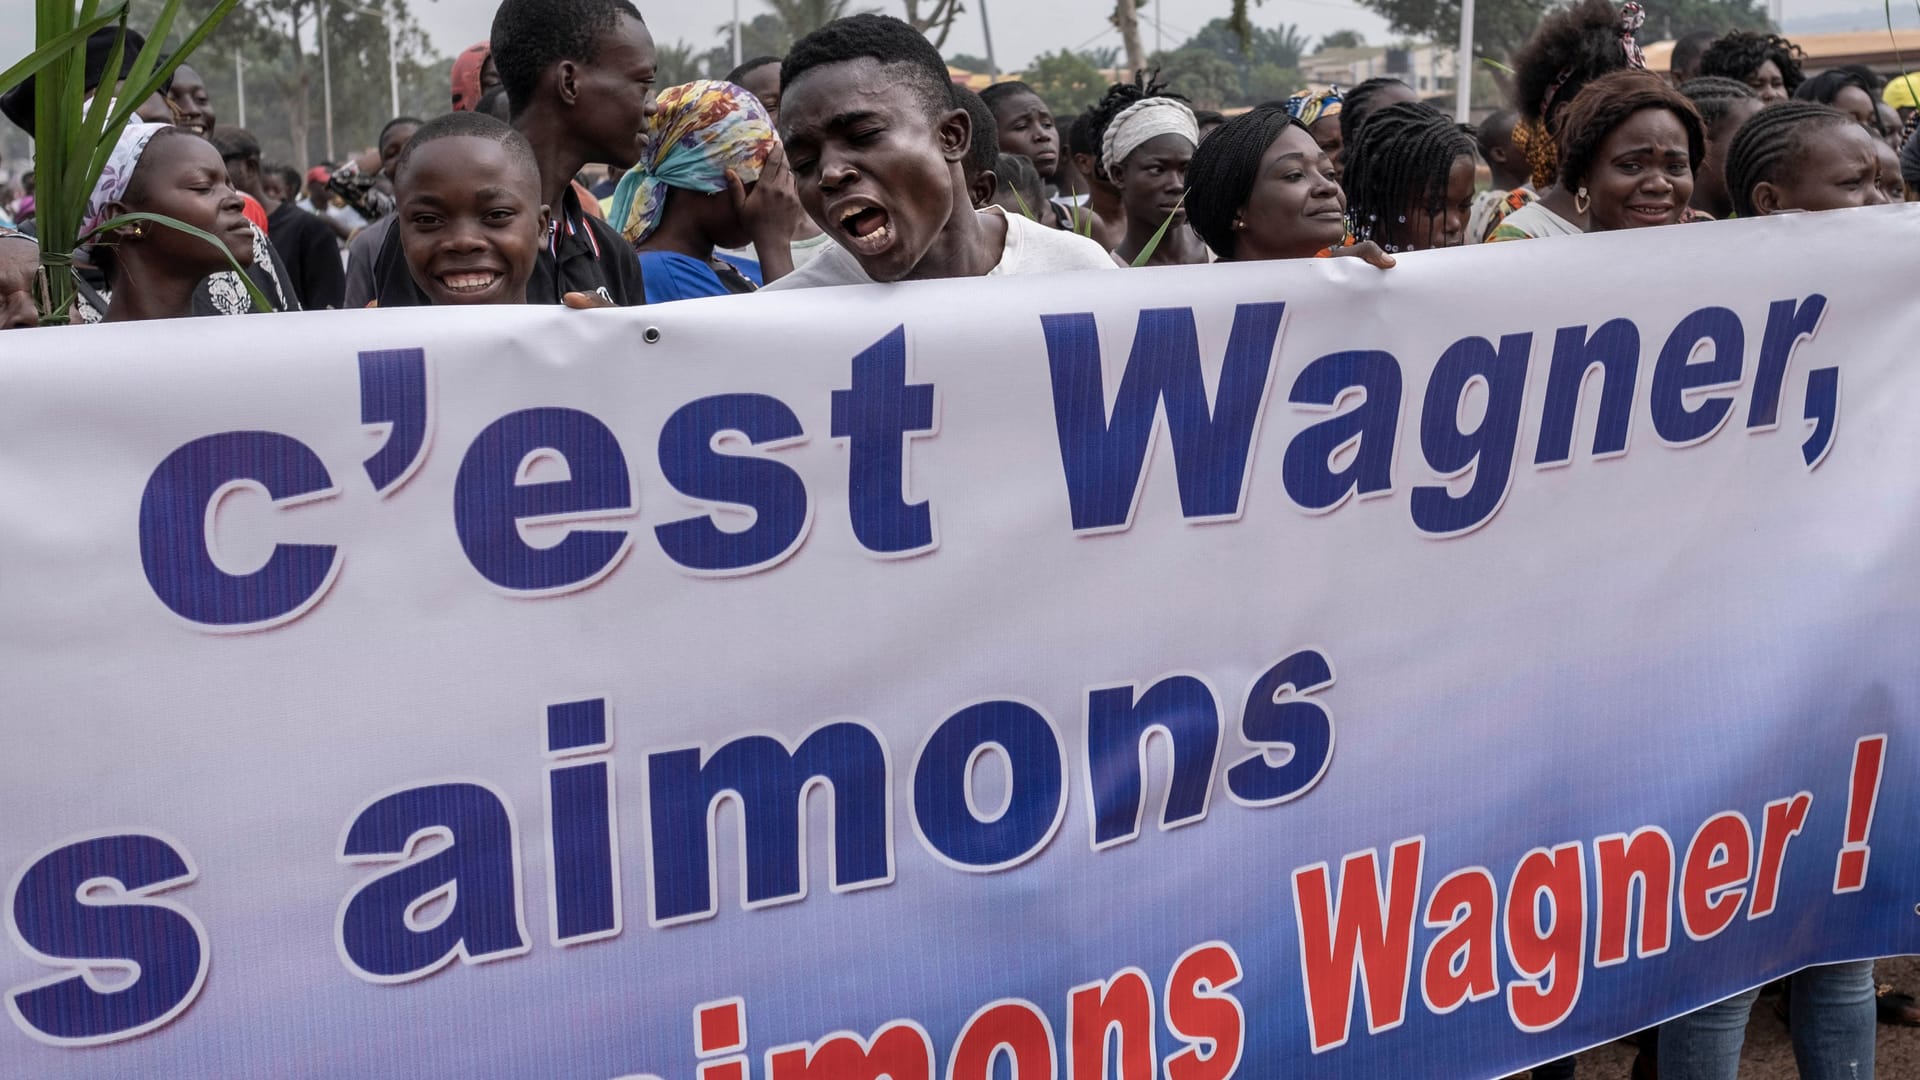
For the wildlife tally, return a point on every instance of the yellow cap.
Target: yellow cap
(1903, 91)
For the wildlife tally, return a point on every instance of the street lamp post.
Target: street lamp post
(240, 85)
(1463, 66)
(326, 80)
(385, 14)
(986, 31)
(393, 59)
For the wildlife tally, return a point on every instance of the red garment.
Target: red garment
(254, 211)
(466, 76)
(587, 202)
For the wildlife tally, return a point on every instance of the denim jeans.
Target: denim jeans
(1832, 1025)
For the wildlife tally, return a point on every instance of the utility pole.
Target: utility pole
(326, 80)
(1463, 65)
(240, 85)
(986, 31)
(736, 33)
(1128, 22)
(393, 58)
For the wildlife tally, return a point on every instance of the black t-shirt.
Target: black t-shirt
(583, 254)
(309, 257)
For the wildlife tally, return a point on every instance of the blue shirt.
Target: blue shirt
(670, 275)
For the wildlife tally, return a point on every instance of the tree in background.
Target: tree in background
(276, 43)
(934, 18)
(1126, 19)
(1670, 19)
(1342, 39)
(678, 63)
(1200, 75)
(1500, 27)
(967, 61)
(1219, 67)
(1067, 81)
(772, 33)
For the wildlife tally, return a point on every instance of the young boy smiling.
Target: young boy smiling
(877, 145)
(579, 78)
(468, 211)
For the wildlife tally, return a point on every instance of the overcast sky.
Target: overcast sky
(1021, 28)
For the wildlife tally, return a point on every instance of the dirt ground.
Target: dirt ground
(1769, 1053)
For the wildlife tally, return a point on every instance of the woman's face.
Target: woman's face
(1858, 104)
(185, 179)
(1710, 180)
(1026, 127)
(1326, 134)
(1153, 180)
(1891, 185)
(1295, 210)
(1446, 227)
(1767, 81)
(1835, 168)
(1641, 174)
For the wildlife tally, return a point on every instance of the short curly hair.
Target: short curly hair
(1741, 53)
(896, 45)
(1571, 48)
(530, 36)
(1605, 104)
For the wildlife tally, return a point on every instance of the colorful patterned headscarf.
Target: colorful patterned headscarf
(112, 185)
(1307, 106)
(702, 130)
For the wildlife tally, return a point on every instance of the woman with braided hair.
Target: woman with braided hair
(1571, 48)
(1801, 155)
(1261, 188)
(1359, 106)
(1409, 179)
(1767, 62)
(1725, 104)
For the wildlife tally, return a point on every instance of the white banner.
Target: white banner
(1237, 670)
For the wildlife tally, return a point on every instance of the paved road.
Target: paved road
(1769, 1053)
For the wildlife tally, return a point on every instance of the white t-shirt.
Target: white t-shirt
(1031, 248)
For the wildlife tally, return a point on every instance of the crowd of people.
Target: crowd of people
(563, 175)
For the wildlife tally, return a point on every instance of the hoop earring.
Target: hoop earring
(1581, 202)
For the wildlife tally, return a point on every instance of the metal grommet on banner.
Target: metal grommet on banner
(651, 335)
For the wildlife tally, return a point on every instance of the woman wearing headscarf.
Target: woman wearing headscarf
(1146, 150)
(1319, 112)
(153, 269)
(713, 176)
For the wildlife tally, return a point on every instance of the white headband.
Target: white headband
(112, 185)
(1141, 122)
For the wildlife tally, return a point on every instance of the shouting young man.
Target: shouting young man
(877, 145)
